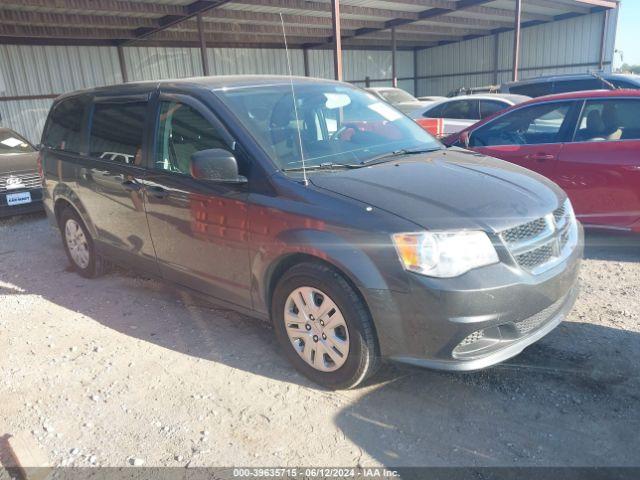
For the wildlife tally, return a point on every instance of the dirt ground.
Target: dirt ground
(123, 370)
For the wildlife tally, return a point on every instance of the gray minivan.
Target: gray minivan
(316, 206)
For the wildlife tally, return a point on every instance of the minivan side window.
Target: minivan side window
(64, 129)
(117, 132)
(183, 131)
(565, 86)
(534, 125)
(532, 89)
(609, 121)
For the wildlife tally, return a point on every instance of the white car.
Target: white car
(402, 100)
(455, 114)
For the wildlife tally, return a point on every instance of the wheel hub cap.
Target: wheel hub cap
(316, 328)
(76, 243)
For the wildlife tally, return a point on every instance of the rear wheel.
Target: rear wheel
(78, 245)
(324, 326)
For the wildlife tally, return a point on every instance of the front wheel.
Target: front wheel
(324, 326)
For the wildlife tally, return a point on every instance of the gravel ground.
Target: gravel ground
(122, 370)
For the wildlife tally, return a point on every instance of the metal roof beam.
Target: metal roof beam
(112, 7)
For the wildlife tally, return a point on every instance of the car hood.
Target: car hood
(16, 162)
(449, 189)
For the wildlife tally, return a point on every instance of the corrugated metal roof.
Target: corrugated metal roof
(456, 24)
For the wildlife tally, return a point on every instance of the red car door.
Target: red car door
(531, 137)
(600, 169)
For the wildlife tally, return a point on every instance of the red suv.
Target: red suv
(586, 142)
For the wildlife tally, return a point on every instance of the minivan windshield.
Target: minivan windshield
(336, 125)
(11, 142)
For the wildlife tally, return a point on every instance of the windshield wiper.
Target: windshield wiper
(398, 153)
(323, 166)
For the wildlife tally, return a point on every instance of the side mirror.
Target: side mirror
(216, 164)
(465, 139)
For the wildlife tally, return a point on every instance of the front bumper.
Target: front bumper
(431, 325)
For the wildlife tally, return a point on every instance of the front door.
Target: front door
(110, 180)
(199, 227)
(531, 137)
(600, 169)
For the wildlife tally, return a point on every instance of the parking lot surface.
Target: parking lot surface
(123, 370)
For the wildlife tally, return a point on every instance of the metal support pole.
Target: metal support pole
(337, 39)
(603, 40)
(123, 64)
(516, 40)
(305, 58)
(394, 69)
(496, 57)
(415, 72)
(203, 47)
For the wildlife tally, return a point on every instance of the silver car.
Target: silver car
(455, 114)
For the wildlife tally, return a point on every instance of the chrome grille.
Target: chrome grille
(535, 257)
(537, 245)
(524, 231)
(27, 180)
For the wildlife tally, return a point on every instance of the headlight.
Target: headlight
(444, 254)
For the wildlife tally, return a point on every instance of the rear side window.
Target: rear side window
(566, 86)
(64, 130)
(609, 121)
(117, 132)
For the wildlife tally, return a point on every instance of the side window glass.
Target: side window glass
(533, 125)
(577, 85)
(116, 132)
(532, 89)
(183, 131)
(490, 107)
(64, 130)
(609, 121)
(435, 112)
(461, 110)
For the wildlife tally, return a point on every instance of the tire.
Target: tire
(356, 342)
(73, 230)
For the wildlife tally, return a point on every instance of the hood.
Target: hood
(16, 162)
(449, 189)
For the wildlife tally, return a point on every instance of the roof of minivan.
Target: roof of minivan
(576, 76)
(212, 82)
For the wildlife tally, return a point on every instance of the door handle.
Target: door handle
(541, 157)
(131, 186)
(157, 192)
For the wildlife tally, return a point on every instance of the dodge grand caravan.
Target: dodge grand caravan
(316, 206)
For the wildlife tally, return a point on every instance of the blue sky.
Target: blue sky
(628, 36)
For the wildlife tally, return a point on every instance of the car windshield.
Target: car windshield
(332, 124)
(11, 142)
(395, 95)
